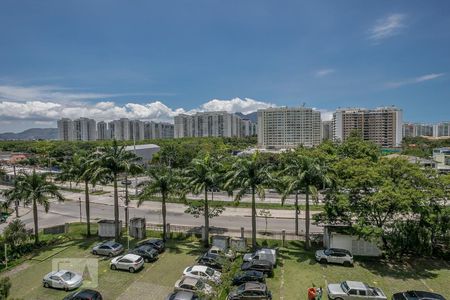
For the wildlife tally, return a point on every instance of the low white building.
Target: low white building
(145, 152)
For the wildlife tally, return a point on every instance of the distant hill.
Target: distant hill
(31, 134)
(253, 117)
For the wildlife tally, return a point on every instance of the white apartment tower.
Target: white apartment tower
(65, 129)
(103, 131)
(208, 124)
(154, 130)
(136, 128)
(85, 129)
(441, 129)
(383, 126)
(284, 127)
(417, 129)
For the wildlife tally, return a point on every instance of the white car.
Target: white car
(203, 272)
(214, 250)
(62, 279)
(191, 284)
(354, 290)
(262, 254)
(129, 262)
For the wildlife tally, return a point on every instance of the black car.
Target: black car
(250, 290)
(147, 252)
(213, 261)
(264, 266)
(158, 244)
(84, 295)
(417, 295)
(182, 295)
(247, 276)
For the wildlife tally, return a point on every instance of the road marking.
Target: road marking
(426, 285)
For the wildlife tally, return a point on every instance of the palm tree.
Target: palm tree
(163, 182)
(249, 174)
(204, 174)
(110, 162)
(34, 188)
(306, 174)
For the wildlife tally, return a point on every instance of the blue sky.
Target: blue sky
(154, 59)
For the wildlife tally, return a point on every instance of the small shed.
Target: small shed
(106, 228)
(238, 244)
(221, 241)
(137, 228)
(341, 236)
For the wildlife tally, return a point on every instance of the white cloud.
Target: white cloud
(244, 106)
(427, 77)
(324, 72)
(387, 27)
(326, 115)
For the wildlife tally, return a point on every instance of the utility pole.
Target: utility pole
(6, 256)
(16, 202)
(134, 146)
(79, 200)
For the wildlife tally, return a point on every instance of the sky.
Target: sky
(154, 59)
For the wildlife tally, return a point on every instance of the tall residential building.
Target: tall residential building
(441, 129)
(383, 126)
(103, 131)
(288, 127)
(208, 124)
(85, 129)
(417, 129)
(136, 128)
(155, 130)
(327, 130)
(248, 128)
(65, 129)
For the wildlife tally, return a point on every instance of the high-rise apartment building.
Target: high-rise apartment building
(65, 129)
(441, 129)
(154, 130)
(136, 130)
(103, 131)
(208, 124)
(288, 127)
(85, 129)
(383, 126)
(417, 129)
(327, 130)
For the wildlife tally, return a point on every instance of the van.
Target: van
(263, 254)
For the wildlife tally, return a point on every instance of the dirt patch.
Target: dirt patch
(144, 290)
(14, 271)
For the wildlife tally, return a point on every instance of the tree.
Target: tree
(110, 162)
(5, 286)
(15, 233)
(35, 189)
(163, 182)
(249, 174)
(204, 174)
(266, 214)
(307, 174)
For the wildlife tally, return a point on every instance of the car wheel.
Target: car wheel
(347, 264)
(113, 267)
(338, 299)
(323, 261)
(132, 270)
(46, 285)
(94, 252)
(147, 260)
(110, 254)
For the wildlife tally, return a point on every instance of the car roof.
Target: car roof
(86, 292)
(59, 273)
(356, 285)
(183, 295)
(340, 250)
(261, 262)
(189, 280)
(254, 286)
(199, 268)
(425, 294)
(131, 256)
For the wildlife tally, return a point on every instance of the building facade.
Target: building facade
(85, 129)
(103, 131)
(327, 130)
(383, 126)
(280, 128)
(441, 129)
(65, 129)
(417, 129)
(209, 124)
(155, 130)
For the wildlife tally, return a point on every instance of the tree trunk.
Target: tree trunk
(16, 202)
(163, 210)
(116, 209)
(36, 225)
(206, 236)
(126, 201)
(296, 212)
(307, 241)
(88, 212)
(253, 219)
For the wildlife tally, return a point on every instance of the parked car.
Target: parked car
(191, 284)
(158, 244)
(109, 248)
(262, 254)
(147, 252)
(203, 272)
(182, 295)
(417, 295)
(84, 295)
(354, 290)
(62, 279)
(212, 261)
(214, 250)
(258, 265)
(335, 255)
(248, 276)
(250, 290)
(130, 262)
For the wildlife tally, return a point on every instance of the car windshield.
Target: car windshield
(241, 288)
(115, 245)
(209, 271)
(327, 252)
(200, 285)
(68, 275)
(344, 287)
(189, 269)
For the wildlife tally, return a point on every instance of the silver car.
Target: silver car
(109, 248)
(354, 290)
(62, 279)
(335, 256)
(129, 262)
(191, 284)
